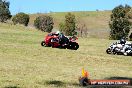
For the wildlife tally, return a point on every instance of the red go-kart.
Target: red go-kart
(53, 40)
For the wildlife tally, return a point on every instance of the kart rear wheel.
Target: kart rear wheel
(75, 46)
(115, 51)
(43, 43)
(108, 51)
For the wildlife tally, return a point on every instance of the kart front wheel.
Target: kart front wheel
(43, 43)
(108, 51)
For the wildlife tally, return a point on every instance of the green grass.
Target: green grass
(24, 63)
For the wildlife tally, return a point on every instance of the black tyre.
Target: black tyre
(75, 46)
(108, 51)
(43, 43)
(69, 46)
(115, 51)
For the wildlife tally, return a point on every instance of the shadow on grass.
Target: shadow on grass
(54, 82)
(68, 84)
(58, 83)
(11, 87)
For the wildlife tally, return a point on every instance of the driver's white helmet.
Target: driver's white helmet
(58, 32)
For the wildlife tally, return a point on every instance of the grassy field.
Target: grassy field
(25, 64)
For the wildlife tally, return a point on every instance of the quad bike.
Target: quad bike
(53, 40)
(116, 48)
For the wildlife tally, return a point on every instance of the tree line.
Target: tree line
(120, 21)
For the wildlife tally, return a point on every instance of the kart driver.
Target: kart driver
(124, 44)
(62, 38)
(122, 41)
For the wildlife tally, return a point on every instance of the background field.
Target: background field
(25, 64)
(96, 22)
(92, 19)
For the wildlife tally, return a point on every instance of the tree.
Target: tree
(69, 26)
(44, 23)
(21, 18)
(120, 24)
(62, 27)
(4, 11)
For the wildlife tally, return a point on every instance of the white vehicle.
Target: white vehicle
(117, 48)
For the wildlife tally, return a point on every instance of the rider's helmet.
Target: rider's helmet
(57, 33)
(123, 40)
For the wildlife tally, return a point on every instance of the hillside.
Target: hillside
(96, 21)
(92, 19)
(24, 63)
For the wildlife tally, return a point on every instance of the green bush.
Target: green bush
(69, 26)
(44, 23)
(119, 24)
(4, 11)
(21, 18)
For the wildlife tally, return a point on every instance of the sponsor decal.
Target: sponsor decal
(110, 82)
